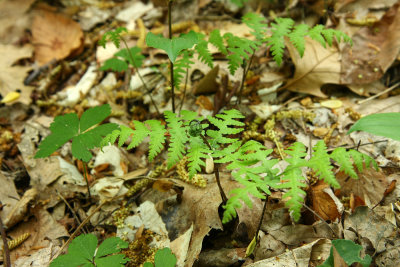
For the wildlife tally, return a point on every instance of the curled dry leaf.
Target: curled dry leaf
(55, 37)
(20, 209)
(324, 202)
(317, 67)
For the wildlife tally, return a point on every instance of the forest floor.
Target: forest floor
(50, 66)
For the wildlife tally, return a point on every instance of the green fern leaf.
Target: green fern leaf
(114, 64)
(204, 53)
(157, 138)
(139, 134)
(296, 37)
(316, 34)
(320, 163)
(238, 194)
(293, 180)
(178, 138)
(113, 36)
(217, 40)
(121, 59)
(323, 36)
(257, 23)
(239, 49)
(225, 122)
(360, 159)
(341, 156)
(181, 67)
(280, 29)
(196, 152)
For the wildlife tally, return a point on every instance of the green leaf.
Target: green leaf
(157, 138)
(113, 36)
(178, 138)
(135, 52)
(164, 258)
(63, 128)
(83, 246)
(69, 260)
(217, 40)
(117, 260)
(94, 116)
(172, 46)
(114, 64)
(381, 124)
(111, 245)
(66, 127)
(350, 253)
(281, 28)
(148, 264)
(321, 164)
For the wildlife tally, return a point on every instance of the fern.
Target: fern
(204, 53)
(323, 36)
(256, 22)
(297, 37)
(217, 40)
(239, 49)
(113, 36)
(181, 66)
(321, 164)
(280, 29)
(293, 180)
(249, 162)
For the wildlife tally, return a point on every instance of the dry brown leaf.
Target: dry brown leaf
(317, 67)
(323, 203)
(55, 37)
(374, 50)
(13, 19)
(12, 77)
(21, 208)
(370, 186)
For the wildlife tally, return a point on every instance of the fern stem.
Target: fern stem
(216, 168)
(261, 219)
(245, 71)
(184, 91)
(7, 259)
(170, 62)
(86, 178)
(140, 76)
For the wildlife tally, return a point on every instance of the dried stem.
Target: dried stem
(171, 64)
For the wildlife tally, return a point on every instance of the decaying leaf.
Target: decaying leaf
(12, 77)
(55, 37)
(324, 203)
(317, 67)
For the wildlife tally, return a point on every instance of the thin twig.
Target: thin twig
(81, 225)
(319, 217)
(261, 219)
(87, 181)
(7, 259)
(171, 63)
(71, 209)
(379, 94)
(245, 71)
(140, 76)
(216, 167)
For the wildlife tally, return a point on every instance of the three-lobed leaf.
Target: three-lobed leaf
(174, 46)
(67, 127)
(163, 258)
(82, 252)
(121, 59)
(349, 252)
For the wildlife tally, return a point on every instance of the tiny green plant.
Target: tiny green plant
(163, 258)
(382, 124)
(348, 251)
(85, 133)
(83, 251)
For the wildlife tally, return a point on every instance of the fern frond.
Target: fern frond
(320, 163)
(157, 138)
(225, 122)
(196, 153)
(178, 138)
(280, 29)
(257, 23)
(217, 40)
(181, 67)
(238, 194)
(293, 180)
(296, 37)
(239, 49)
(360, 159)
(323, 36)
(341, 156)
(113, 36)
(204, 53)
(139, 134)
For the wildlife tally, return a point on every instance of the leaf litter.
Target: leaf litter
(45, 198)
